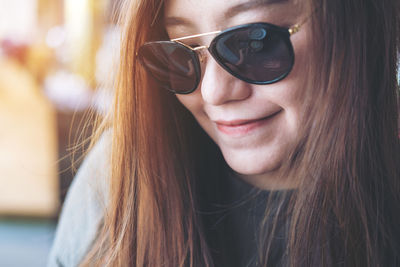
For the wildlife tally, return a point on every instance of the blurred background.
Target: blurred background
(56, 57)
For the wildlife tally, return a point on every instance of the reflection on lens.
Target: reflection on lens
(257, 34)
(256, 46)
(173, 65)
(228, 52)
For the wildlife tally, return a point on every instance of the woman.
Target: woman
(289, 119)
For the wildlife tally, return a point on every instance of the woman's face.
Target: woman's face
(253, 125)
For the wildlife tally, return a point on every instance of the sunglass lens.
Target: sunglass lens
(173, 65)
(258, 53)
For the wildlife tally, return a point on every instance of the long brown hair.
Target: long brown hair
(346, 211)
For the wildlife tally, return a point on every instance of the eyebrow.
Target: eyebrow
(231, 12)
(250, 5)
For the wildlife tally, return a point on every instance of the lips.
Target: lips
(243, 127)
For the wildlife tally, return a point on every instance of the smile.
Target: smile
(242, 127)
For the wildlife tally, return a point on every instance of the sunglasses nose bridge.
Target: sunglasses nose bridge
(201, 52)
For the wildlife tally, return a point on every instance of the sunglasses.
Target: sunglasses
(257, 53)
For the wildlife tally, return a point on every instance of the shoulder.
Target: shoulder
(82, 213)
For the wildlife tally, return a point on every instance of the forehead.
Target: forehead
(214, 13)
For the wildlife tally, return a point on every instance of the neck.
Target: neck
(268, 181)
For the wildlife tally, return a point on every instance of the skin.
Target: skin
(254, 151)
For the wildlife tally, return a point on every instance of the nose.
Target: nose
(219, 87)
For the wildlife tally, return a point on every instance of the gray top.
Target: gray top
(82, 216)
(82, 213)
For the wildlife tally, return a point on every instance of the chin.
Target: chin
(253, 165)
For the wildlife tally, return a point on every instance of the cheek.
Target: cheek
(195, 105)
(193, 102)
(291, 97)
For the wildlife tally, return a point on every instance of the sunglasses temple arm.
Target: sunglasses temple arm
(295, 28)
